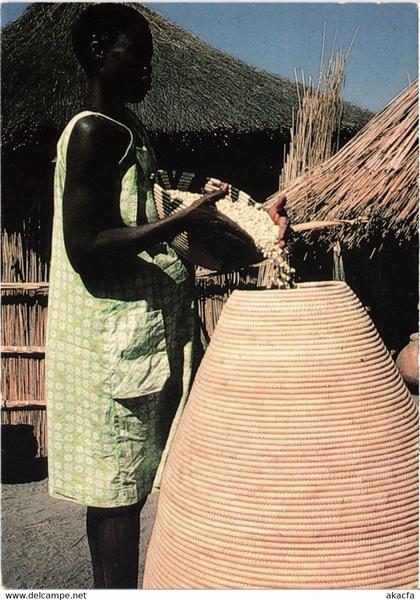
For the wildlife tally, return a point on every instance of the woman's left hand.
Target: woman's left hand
(278, 214)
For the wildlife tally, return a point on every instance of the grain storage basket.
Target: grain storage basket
(295, 463)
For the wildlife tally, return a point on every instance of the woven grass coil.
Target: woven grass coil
(295, 464)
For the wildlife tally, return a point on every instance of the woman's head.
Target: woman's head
(113, 42)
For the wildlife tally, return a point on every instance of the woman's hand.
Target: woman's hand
(202, 209)
(278, 215)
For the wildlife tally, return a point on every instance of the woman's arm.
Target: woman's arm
(93, 228)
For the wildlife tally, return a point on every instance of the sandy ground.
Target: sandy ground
(44, 543)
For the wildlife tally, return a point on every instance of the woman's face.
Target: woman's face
(127, 65)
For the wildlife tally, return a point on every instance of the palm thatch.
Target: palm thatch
(196, 88)
(372, 179)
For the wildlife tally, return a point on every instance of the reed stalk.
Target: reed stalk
(24, 319)
(317, 122)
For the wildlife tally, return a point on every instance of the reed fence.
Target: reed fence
(24, 276)
(213, 290)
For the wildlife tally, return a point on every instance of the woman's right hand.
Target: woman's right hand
(202, 210)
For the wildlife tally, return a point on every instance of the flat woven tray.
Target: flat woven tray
(221, 245)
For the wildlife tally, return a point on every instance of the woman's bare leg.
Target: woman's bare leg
(114, 539)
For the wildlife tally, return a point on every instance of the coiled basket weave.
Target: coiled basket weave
(295, 463)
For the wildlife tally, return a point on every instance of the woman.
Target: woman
(120, 340)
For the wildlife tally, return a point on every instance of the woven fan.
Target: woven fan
(221, 245)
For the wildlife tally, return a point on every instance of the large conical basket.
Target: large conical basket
(295, 463)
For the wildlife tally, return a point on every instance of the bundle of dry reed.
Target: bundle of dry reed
(317, 121)
(36, 417)
(22, 380)
(374, 176)
(315, 128)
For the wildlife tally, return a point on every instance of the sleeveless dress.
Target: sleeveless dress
(120, 349)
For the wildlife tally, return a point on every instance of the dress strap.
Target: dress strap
(87, 113)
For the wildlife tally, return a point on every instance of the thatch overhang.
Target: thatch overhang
(196, 88)
(373, 179)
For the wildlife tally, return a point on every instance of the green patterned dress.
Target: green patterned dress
(119, 355)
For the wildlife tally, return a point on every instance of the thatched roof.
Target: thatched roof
(374, 177)
(196, 88)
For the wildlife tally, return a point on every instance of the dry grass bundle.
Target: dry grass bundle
(318, 118)
(36, 417)
(314, 134)
(373, 177)
(22, 380)
(20, 262)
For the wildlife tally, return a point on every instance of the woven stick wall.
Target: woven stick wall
(24, 277)
(213, 290)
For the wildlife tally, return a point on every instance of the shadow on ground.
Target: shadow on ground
(44, 543)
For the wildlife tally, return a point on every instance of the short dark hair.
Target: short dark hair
(106, 21)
